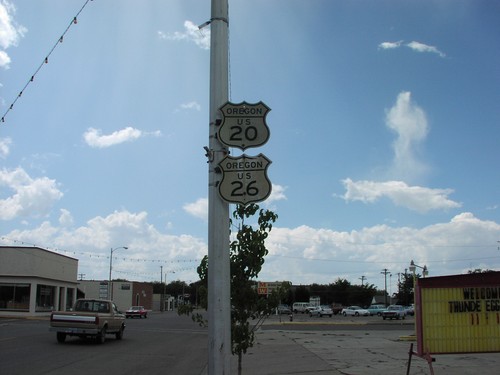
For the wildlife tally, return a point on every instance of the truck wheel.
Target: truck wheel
(101, 337)
(61, 337)
(383, 317)
(119, 334)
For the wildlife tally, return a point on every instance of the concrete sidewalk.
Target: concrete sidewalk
(348, 352)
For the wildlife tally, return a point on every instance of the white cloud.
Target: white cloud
(420, 47)
(415, 46)
(4, 60)
(31, 198)
(409, 122)
(65, 219)
(94, 138)
(313, 255)
(10, 31)
(277, 194)
(191, 106)
(198, 209)
(415, 198)
(5, 147)
(302, 255)
(191, 33)
(390, 45)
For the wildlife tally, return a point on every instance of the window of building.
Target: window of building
(45, 297)
(70, 299)
(14, 297)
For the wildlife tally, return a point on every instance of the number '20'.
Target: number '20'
(249, 132)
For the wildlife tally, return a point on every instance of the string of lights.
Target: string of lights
(99, 256)
(74, 21)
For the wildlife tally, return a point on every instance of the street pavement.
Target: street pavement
(283, 348)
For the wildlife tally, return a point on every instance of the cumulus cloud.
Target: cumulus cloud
(31, 197)
(315, 255)
(191, 33)
(415, 198)
(301, 254)
(409, 122)
(10, 31)
(5, 147)
(198, 209)
(95, 138)
(65, 219)
(277, 194)
(415, 46)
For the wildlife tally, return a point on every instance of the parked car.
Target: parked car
(410, 310)
(394, 312)
(376, 309)
(355, 311)
(321, 311)
(136, 311)
(284, 309)
(300, 307)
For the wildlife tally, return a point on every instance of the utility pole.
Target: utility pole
(162, 303)
(362, 278)
(219, 292)
(385, 271)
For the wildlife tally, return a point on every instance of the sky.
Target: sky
(384, 134)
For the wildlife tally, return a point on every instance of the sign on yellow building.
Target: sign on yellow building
(458, 314)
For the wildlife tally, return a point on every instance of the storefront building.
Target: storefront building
(34, 281)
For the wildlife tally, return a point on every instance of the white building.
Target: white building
(34, 281)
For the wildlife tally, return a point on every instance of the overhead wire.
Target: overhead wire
(73, 21)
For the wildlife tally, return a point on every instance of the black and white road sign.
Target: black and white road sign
(244, 125)
(244, 179)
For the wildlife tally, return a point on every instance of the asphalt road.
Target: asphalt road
(149, 346)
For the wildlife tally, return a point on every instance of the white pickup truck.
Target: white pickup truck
(89, 318)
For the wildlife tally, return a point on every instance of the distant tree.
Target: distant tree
(301, 294)
(405, 295)
(340, 291)
(479, 270)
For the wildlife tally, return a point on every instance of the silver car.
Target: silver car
(355, 311)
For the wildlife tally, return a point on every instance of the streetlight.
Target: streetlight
(425, 272)
(110, 288)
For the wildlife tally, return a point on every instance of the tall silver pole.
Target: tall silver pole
(219, 311)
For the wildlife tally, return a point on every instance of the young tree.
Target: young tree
(247, 253)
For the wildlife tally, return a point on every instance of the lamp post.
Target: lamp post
(110, 287)
(425, 272)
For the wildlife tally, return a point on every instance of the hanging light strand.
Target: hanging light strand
(74, 21)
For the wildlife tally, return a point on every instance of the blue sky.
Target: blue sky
(384, 133)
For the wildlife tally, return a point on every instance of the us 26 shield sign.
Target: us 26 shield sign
(244, 179)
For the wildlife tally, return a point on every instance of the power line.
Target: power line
(73, 21)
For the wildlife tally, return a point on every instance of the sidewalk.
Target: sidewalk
(280, 352)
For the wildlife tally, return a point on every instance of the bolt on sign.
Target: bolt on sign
(244, 179)
(458, 314)
(244, 125)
